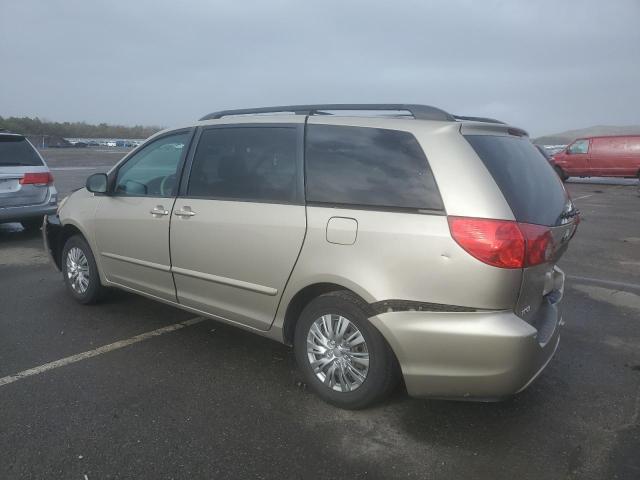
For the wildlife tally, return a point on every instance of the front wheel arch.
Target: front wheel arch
(66, 232)
(93, 291)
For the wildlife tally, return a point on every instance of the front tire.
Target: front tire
(343, 358)
(80, 272)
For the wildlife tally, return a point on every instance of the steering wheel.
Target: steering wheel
(167, 184)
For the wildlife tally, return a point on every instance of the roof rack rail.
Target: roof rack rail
(419, 112)
(478, 119)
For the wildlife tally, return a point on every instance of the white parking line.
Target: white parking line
(98, 351)
(612, 283)
(583, 196)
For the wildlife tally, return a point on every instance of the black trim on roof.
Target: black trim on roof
(419, 112)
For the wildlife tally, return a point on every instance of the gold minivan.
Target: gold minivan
(380, 241)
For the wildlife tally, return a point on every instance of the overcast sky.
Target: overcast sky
(543, 65)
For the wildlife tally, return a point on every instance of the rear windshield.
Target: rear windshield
(15, 151)
(529, 184)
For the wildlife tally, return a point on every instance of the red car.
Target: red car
(617, 156)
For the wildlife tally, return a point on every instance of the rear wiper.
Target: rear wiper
(16, 164)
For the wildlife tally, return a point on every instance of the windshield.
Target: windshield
(529, 184)
(15, 151)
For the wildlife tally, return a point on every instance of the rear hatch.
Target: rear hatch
(539, 202)
(22, 173)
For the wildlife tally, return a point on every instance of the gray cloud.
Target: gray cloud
(543, 65)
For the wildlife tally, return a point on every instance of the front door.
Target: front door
(239, 222)
(577, 159)
(132, 222)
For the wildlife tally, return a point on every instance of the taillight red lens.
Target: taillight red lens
(540, 245)
(495, 242)
(39, 178)
(503, 243)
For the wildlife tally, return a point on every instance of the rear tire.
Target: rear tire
(80, 272)
(31, 224)
(353, 365)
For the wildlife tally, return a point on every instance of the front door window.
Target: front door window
(152, 172)
(579, 146)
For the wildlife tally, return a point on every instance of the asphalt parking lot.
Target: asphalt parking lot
(210, 401)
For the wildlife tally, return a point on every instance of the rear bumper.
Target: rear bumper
(18, 213)
(475, 356)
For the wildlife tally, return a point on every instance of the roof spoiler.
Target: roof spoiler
(477, 119)
(491, 128)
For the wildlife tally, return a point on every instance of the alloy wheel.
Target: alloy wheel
(77, 270)
(337, 353)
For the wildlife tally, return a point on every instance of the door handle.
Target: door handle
(159, 210)
(184, 212)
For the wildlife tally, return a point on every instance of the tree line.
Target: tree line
(35, 126)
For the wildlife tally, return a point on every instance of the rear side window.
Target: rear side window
(15, 151)
(368, 167)
(247, 163)
(527, 181)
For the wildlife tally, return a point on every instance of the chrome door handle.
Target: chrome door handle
(184, 212)
(159, 210)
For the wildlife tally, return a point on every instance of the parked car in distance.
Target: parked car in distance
(543, 151)
(355, 239)
(27, 193)
(612, 156)
(548, 157)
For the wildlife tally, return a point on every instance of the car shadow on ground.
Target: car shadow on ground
(14, 232)
(602, 181)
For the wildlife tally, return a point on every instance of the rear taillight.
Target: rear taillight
(39, 178)
(539, 243)
(503, 243)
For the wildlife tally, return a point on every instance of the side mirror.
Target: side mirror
(97, 183)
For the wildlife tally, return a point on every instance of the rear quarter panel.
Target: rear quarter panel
(412, 256)
(401, 256)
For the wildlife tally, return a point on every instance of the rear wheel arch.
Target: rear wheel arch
(303, 297)
(367, 368)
